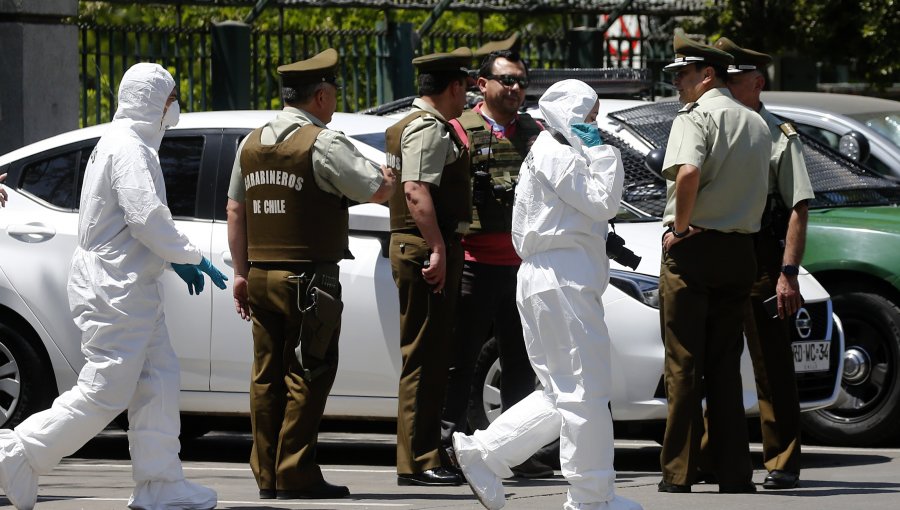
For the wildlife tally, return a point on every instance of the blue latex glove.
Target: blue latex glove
(215, 275)
(589, 134)
(191, 276)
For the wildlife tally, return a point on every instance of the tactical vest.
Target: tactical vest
(495, 169)
(289, 218)
(452, 199)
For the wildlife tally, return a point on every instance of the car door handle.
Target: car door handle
(226, 257)
(31, 232)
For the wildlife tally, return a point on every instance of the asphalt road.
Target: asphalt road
(98, 477)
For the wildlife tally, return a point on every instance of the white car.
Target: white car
(40, 346)
(866, 129)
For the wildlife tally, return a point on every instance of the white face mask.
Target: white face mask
(170, 118)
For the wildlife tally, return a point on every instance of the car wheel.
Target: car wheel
(23, 391)
(484, 401)
(868, 408)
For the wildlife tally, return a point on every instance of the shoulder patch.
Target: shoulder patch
(788, 129)
(688, 107)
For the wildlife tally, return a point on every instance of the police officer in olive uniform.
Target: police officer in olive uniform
(430, 210)
(287, 230)
(498, 138)
(717, 161)
(779, 250)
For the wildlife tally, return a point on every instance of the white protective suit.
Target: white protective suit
(565, 196)
(126, 237)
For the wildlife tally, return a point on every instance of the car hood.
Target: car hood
(644, 238)
(882, 218)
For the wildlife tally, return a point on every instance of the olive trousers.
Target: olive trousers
(769, 344)
(705, 283)
(285, 409)
(426, 340)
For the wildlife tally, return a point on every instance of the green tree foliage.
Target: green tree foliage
(861, 34)
(174, 37)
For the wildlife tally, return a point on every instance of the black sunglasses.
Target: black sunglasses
(508, 80)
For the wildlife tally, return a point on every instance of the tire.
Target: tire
(484, 400)
(24, 390)
(868, 408)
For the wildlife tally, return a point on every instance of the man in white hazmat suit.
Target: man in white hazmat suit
(569, 187)
(125, 238)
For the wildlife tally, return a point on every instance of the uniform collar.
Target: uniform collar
(422, 105)
(303, 115)
(714, 93)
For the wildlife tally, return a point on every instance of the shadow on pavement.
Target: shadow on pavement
(820, 488)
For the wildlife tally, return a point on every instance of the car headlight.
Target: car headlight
(642, 287)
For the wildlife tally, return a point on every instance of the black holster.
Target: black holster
(320, 305)
(776, 217)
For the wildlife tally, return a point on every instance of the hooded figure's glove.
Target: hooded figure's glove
(588, 133)
(215, 275)
(191, 276)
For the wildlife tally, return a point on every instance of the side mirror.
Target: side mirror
(654, 161)
(855, 146)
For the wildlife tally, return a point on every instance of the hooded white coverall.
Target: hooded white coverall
(126, 236)
(564, 198)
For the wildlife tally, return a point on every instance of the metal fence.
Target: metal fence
(107, 51)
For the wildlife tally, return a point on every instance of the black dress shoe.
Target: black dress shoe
(436, 476)
(779, 479)
(322, 490)
(737, 488)
(267, 494)
(665, 486)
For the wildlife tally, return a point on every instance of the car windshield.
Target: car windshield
(887, 124)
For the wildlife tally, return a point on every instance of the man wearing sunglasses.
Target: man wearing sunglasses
(498, 137)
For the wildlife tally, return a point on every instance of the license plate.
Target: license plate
(811, 356)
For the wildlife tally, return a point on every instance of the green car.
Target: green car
(853, 250)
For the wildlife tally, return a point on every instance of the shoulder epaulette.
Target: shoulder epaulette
(788, 129)
(688, 107)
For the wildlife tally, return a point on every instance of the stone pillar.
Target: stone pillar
(39, 84)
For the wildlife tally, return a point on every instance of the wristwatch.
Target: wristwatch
(683, 233)
(790, 270)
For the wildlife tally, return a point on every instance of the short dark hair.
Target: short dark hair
(434, 83)
(487, 65)
(299, 94)
(720, 70)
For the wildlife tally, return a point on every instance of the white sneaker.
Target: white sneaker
(485, 484)
(617, 503)
(180, 495)
(17, 479)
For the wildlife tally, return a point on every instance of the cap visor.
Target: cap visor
(675, 65)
